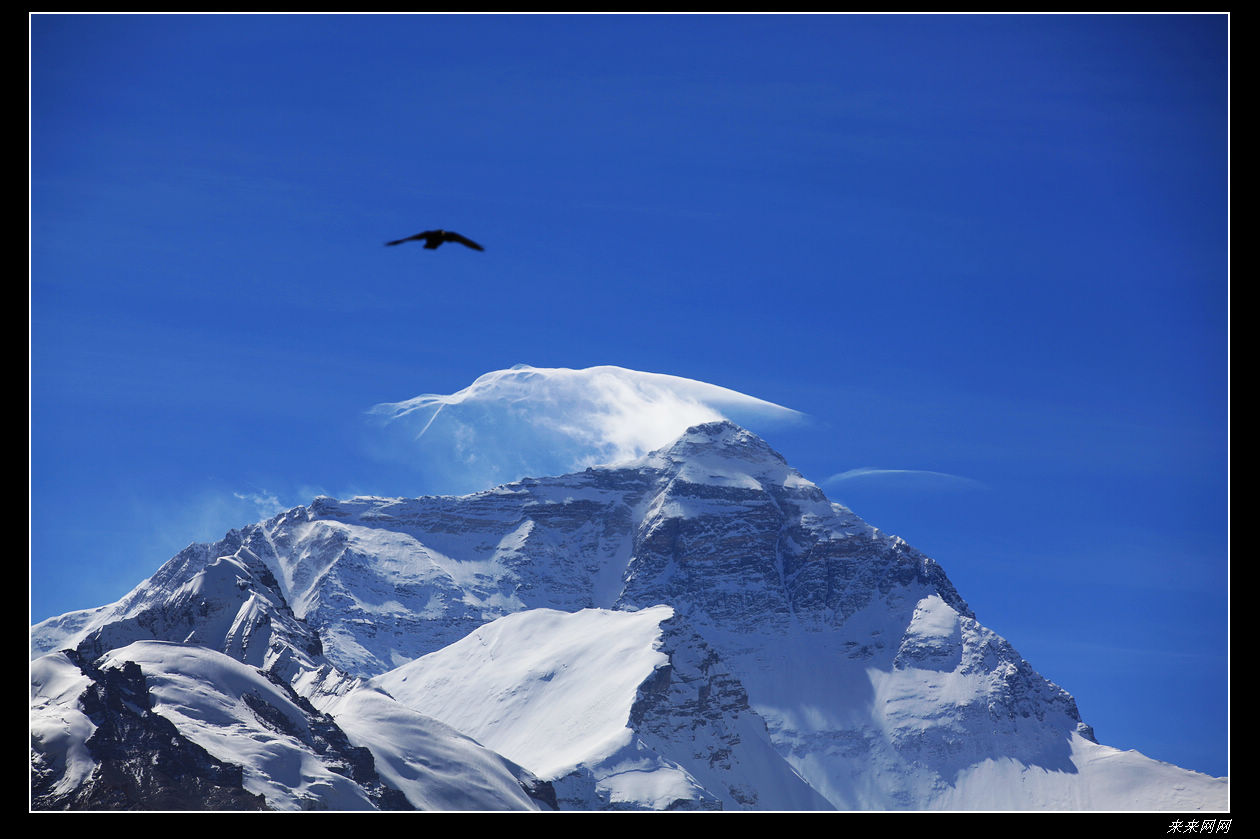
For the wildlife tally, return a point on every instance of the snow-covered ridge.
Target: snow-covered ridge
(706, 575)
(197, 729)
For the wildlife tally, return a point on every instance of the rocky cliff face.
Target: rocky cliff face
(696, 709)
(854, 652)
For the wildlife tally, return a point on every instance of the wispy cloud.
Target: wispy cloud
(918, 478)
(265, 504)
(537, 421)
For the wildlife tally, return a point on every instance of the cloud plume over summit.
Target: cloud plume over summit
(537, 421)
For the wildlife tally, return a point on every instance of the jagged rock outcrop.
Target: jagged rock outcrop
(140, 760)
(163, 725)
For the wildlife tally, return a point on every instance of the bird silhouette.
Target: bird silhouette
(434, 238)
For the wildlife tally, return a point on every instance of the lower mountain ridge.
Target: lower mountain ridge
(698, 629)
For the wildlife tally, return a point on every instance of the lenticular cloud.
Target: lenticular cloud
(914, 477)
(538, 421)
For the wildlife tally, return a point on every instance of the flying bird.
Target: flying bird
(434, 238)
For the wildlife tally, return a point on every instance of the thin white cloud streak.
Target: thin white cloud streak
(266, 504)
(919, 477)
(538, 421)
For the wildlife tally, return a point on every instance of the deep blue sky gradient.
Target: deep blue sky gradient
(991, 247)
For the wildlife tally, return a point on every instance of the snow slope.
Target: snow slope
(623, 699)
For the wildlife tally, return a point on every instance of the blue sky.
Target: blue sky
(987, 256)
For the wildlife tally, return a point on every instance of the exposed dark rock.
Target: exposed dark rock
(327, 740)
(143, 762)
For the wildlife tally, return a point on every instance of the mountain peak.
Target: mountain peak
(723, 434)
(721, 453)
(720, 438)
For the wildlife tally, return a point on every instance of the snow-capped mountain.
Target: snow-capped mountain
(698, 628)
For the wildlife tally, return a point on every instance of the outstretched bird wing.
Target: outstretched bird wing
(452, 236)
(422, 235)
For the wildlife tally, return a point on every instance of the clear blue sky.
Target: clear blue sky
(987, 255)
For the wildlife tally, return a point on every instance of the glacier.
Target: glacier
(696, 628)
